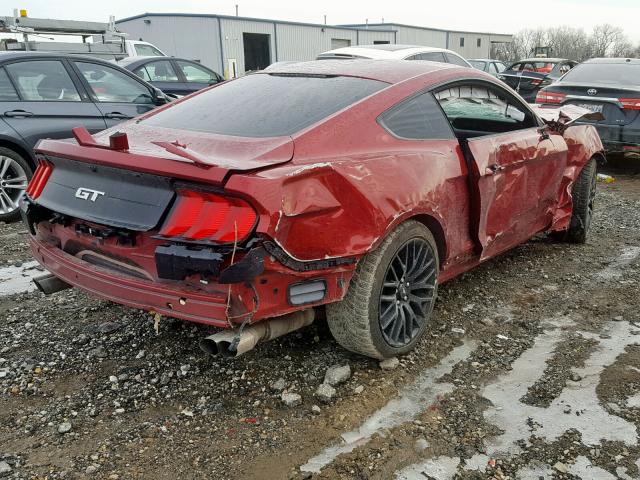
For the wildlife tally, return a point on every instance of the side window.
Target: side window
(500, 66)
(456, 60)
(110, 85)
(432, 57)
(418, 118)
(413, 57)
(43, 80)
(492, 68)
(483, 109)
(146, 50)
(7, 92)
(196, 73)
(160, 71)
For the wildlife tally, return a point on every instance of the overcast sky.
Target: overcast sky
(501, 16)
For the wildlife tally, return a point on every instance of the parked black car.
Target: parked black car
(607, 85)
(494, 67)
(531, 74)
(174, 76)
(45, 95)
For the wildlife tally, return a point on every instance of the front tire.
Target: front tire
(388, 305)
(15, 172)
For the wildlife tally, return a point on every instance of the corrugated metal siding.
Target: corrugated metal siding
(195, 38)
(232, 43)
(470, 48)
(301, 42)
(369, 37)
(420, 36)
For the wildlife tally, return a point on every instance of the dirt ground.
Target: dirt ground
(530, 370)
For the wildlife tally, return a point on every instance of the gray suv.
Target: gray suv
(45, 95)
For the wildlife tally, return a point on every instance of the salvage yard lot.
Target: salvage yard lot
(530, 370)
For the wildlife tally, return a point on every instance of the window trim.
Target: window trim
(183, 77)
(91, 93)
(13, 85)
(425, 91)
(72, 76)
(487, 84)
(157, 60)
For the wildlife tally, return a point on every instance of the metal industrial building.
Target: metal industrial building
(232, 45)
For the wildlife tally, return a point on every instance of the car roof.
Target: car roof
(484, 60)
(5, 56)
(385, 51)
(389, 71)
(543, 59)
(633, 61)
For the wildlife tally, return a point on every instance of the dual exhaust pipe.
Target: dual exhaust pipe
(231, 343)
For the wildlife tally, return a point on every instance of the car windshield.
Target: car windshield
(612, 73)
(265, 105)
(477, 64)
(146, 50)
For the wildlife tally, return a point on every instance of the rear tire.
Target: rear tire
(583, 194)
(15, 172)
(388, 305)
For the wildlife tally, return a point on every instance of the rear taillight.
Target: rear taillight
(550, 97)
(630, 103)
(39, 180)
(201, 216)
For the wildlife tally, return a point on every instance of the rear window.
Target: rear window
(265, 105)
(613, 73)
(477, 64)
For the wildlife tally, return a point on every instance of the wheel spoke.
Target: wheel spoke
(407, 292)
(4, 165)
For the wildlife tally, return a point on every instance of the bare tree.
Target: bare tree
(607, 39)
(568, 42)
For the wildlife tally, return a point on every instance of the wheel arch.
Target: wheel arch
(435, 227)
(24, 152)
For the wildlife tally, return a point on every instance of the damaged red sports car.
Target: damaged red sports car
(346, 188)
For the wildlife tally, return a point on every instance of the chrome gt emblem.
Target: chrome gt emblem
(88, 194)
(592, 91)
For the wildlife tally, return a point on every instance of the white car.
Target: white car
(398, 52)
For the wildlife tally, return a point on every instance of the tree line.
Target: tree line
(604, 40)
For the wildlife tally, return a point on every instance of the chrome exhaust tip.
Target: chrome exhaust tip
(49, 284)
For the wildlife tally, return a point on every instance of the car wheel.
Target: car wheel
(583, 194)
(15, 173)
(391, 296)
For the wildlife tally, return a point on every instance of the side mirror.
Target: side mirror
(159, 98)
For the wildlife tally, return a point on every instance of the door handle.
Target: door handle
(18, 114)
(493, 169)
(117, 115)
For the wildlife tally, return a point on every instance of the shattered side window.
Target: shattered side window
(418, 118)
(477, 102)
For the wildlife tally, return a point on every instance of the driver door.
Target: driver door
(515, 167)
(118, 95)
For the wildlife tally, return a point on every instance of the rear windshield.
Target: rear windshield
(614, 73)
(265, 105)
(477, 64)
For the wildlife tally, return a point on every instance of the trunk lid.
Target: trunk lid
(167, 152)
(522, 80)
(134, 188)
(603, 99)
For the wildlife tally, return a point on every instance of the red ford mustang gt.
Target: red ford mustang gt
(357, 186)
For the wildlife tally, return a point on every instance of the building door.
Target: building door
(257, 51)
(340, 43)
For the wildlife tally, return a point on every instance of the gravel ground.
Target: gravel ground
(545, 383)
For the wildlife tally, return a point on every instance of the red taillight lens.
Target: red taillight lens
(210, 217)
(630, 103)
(550, 97)
(39, 179)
